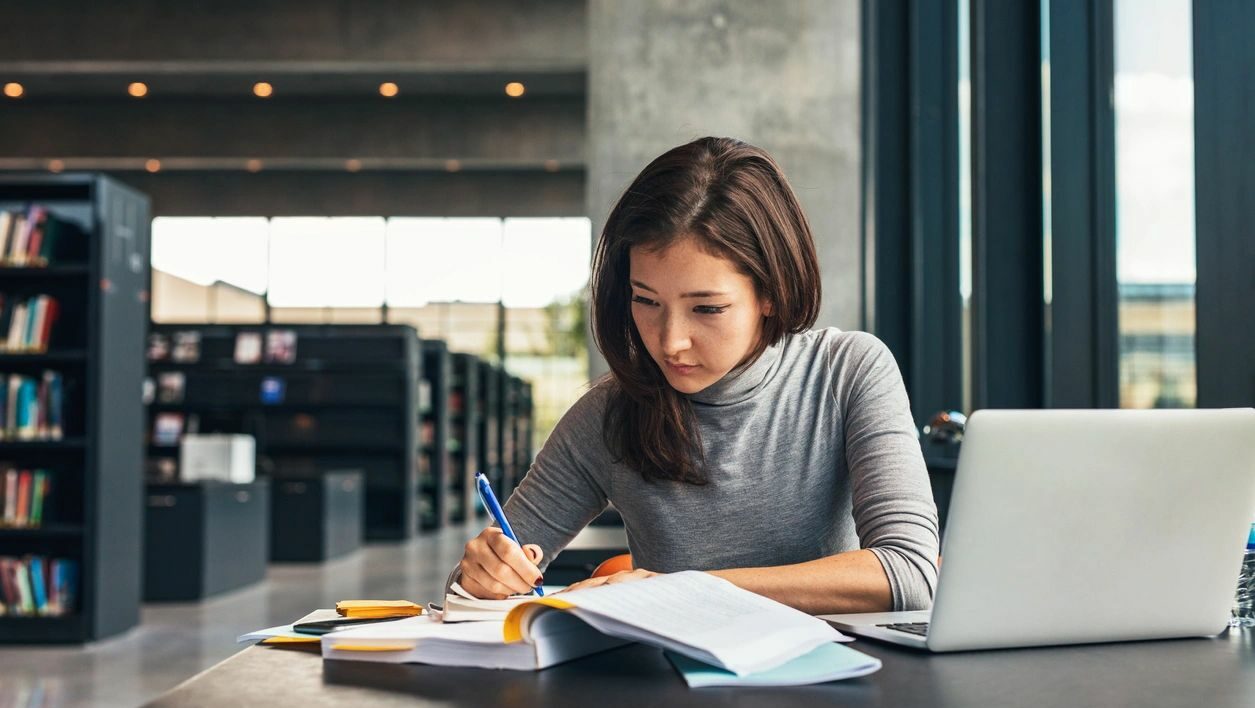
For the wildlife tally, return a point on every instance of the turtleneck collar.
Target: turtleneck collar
(742, 382)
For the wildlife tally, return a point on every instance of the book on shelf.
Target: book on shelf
(167, 428)
(273, 390)
(23, 496)
(26, 322)
(31, 238)
(185, 347)
(280, 346)
(38, 586)
(171, 386)
(158, 347)
(248, 348)
(32, 409)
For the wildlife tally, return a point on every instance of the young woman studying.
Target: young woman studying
(730, 436)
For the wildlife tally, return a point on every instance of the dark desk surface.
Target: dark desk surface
(1215, 673)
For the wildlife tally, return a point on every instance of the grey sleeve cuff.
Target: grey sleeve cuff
(912, 580)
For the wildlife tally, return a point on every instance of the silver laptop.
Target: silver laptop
(1070, 526)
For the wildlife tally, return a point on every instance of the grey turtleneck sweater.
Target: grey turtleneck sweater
(811, 451)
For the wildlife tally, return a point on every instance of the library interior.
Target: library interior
(326, 328)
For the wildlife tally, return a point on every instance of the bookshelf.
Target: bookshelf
(525, 425)
(317, 398)
(516, 424)
(489, 410)
(464, 428)
(98, 272)
(434, 442)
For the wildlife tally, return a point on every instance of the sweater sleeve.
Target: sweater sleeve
(561, 492)
(894, 512)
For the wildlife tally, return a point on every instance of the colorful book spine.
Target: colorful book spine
(27, 323)
(32, 409)
(24, 497)
(38, 586)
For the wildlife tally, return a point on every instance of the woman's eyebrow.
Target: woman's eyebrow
(695, 293)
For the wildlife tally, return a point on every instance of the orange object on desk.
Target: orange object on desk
(613, 564)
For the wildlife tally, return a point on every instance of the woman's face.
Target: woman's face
(697, 314)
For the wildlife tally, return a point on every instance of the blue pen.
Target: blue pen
(494, 508)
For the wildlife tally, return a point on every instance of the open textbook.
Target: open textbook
(691, 613)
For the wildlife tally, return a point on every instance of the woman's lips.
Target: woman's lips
(681, 368)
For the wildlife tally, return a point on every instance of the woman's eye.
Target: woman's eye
(710, 309)
(643, 300)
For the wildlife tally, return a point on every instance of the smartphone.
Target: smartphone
(325, 626)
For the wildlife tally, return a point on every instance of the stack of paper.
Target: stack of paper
(461, 606)
(423, 640)
(694, 614)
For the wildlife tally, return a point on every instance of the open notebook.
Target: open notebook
(691, 613)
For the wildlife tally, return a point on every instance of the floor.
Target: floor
(176, 641)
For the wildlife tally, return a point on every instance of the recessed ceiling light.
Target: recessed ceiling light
(253, 165)
(514, 89)
(388, 89)
(551, 165)
(153, 165)
(353, 165)
(56, 165)
(261, 89)
(452, 165)
(138, 89)
(13, 90)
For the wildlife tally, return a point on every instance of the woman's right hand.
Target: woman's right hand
(494, 567)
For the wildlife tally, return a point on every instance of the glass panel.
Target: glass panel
(1154, 118)
(965, 196)
(209, 269)
(443, 260)
(546, 324)
(327, 262)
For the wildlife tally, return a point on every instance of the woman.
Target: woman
(731, 438)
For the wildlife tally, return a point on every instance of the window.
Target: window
(451, 278)
(1154, 112)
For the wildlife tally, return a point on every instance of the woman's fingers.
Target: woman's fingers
(513, 557)
(470, 583)
(534, 553)
(585, 584)
(498, 567)
(627, 576)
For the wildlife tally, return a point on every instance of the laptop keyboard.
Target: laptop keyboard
(920, 628)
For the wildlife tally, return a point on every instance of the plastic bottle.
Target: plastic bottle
(1244, 602)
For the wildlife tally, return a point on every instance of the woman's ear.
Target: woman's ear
(768, 309)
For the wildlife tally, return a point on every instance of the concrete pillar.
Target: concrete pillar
(780, 75)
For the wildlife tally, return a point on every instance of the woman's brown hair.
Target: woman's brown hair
(734, 200)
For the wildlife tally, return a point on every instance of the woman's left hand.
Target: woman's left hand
(623, 576)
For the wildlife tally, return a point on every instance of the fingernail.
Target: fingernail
(540, 581)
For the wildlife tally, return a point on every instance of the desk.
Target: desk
(1216, 673)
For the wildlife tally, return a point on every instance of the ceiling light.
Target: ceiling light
(551, 165)
(452, 165)
(388, 89)
(138, 89)
(153, 165)
(13, 90)
(261, 89)
(514, 89)
(353, 165)
(56, 165)
(253, 165)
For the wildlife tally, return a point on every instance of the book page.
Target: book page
(695, 610)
